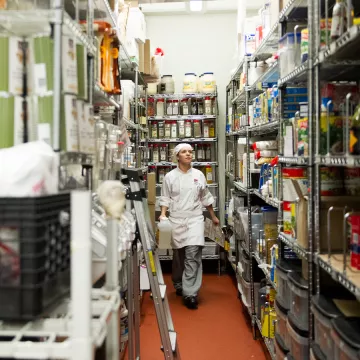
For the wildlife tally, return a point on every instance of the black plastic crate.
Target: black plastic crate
(34, 254)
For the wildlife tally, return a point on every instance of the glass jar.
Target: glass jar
(194, 107)
(211, 128)
(154, 129)
(150, 152)
(169, 107)
(188, 129)
(175, 109)
(209, 174)
(161, 129)
(167, 85)
(200, 107)
(214, 111)
(163, 153)
(174, 130)
(171, 151)
(208, 83)
(208, 105)
(156, 153)
(200, 152)
(160, 107)
(181, 126)
(151, 107)
(167, 129)
(185, 107)
(206, 129)
(208, 152)
(190, 83)
(197, 129)
(161, 174)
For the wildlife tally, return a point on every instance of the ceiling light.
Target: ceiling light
(196, 5)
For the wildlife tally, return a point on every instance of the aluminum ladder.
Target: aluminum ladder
(137, 195)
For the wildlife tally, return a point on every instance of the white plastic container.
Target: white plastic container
(324, 311)
(190, 83)
(164, 234)
(346, 338)
(283, 268)
(298, 339)
(245, 263)
(167, 85)
(299, 304)
(246, 287)
(208, 83)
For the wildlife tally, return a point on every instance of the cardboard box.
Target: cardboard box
(147, 57)
(141, 57)
(151, 183)
(152, 216)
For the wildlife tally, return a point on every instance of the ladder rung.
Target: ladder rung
(173, 336)
(162, 291)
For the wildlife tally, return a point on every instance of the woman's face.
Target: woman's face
(185, 156)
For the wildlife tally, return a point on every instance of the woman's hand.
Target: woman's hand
(215, 220)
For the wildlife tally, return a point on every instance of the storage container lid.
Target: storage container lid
(268, 209)
(186, 74)
(298, 280)
(288, 266)
(296, 326)
(326, 306)
(349, 330)
(280, 305)
(318, 354)
(208, 73)
(167, 76)
(281, 344)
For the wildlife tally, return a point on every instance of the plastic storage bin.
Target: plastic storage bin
(246, 287)
(280, 350)
(283, 268)
(316, 353)
(281, 316)
(34, 254)
(346, 336)
(298, 339)
(245, 263)
(299, 299)
(324, 311)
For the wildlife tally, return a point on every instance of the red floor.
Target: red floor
(217, 330)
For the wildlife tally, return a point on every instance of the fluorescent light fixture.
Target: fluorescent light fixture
(196, 5)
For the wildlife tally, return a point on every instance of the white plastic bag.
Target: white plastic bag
(28, 170)
(112, 198)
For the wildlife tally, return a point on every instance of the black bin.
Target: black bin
(34, 254)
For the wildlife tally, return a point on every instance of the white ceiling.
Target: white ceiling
(166, 7)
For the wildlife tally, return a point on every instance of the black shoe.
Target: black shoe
(191, 302)
(179, 292)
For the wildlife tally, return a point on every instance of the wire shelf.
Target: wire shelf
(184, 140)
(182, 117)
(270, 201)
(294, 246)
(268, 342)
(297, 76)
(264, 270)
(340, 160)
(196, 163)
(182, 96)
(293, 160)
(264, 129)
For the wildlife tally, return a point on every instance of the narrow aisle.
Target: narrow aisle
(217, 330)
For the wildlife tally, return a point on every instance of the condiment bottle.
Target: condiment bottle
(161, 174)
(184, 107)
(160, 107)
(169, 107)
(197, 128)
(167, 129)
(163, 153)
(211, 129)
(208, 105)
(188, 129)
(339, 19)
(154, 130)
(214, 105)
(194, 108)
(200, 152)
(208, 153)
(175, 109)
(209, 175)
(206, 129)
(150, 153)
(156, 153)
(174, 130)
(200, 107)
(181, 125)
(151, 107)
(161, 129)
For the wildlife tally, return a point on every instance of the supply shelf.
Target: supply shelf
(195, 163)
(339, 160)
(264, 129)
(213, 185)
(182, 96)
(182, 117)
(294, 246)
(293, 160)
(185, 140)
(50, 337)
(264, 270)
(299, 75)
(270, 201)
(268, 342)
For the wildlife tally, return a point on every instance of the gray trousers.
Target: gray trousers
(187, 269)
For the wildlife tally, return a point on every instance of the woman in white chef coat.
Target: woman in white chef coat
(184, 194)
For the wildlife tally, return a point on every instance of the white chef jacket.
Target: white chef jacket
(185, 195)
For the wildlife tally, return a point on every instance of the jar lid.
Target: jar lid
(186, 74)
(207, 98)
(208, 73)
(175, 100)
(161, 100)
(169, 101)
(185, 100)
(167, 76)
(151, 99)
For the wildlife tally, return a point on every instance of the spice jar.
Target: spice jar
(200, 153)
(174, 130)
(181, 128)
(163, 152)
(188, 129)
(197, 128)
(213, 101)
(161, 174)
(156, 153)
(171, 151)
(160, 107)
(208, 106)
(167, 129)
(208, 153)
(200, 107)
(185, 107)
(151, 107)
(169, 107)
(154, 129)
(161, 129)
(175, 110)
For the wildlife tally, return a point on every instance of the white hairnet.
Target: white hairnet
(180, 147)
